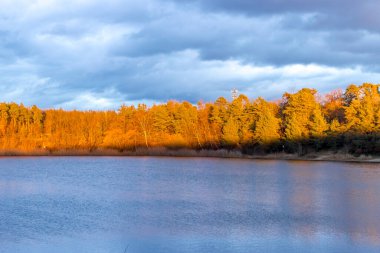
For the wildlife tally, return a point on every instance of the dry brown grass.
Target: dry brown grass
(184, 152)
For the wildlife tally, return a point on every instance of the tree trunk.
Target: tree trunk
(146, 139)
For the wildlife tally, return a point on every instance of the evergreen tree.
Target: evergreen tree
(265, 126)
(298, 112)
(231, 133)
(318, 125)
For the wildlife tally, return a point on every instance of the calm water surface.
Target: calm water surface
(89, 204)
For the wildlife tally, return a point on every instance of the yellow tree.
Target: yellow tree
(318, 125)
(361, 107)
(265, 126)
(217, 117)
(333, 106)
(4, 120)
(241, 112)
(187, 123)
(297, 112)
(230, 135)
(144, 122)
(302, 117)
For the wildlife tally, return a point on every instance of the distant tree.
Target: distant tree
(318, 125)
(162, 121)
(144, 122)
(265, 126)
(231, 133)
(362, 104)
(302, 115)
(333, 106)
(349, 120)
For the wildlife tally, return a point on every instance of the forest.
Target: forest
(299, 123)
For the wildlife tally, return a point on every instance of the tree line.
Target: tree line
(300, 122)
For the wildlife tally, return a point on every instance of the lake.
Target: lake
(144, 204)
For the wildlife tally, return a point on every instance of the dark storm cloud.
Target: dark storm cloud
(341, 13)
(269, 32)
(92, 54)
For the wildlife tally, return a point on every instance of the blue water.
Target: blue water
(117, 204)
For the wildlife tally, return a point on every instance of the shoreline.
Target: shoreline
(222, 153)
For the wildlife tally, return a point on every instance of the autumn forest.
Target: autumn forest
(299, 123)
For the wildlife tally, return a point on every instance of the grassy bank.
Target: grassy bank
(221, 153)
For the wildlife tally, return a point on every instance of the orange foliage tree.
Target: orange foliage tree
(349, 119)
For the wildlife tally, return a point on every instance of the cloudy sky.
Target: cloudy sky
(89, 54)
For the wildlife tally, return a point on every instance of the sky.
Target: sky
(89, 54)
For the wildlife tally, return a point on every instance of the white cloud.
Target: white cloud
(89, 101)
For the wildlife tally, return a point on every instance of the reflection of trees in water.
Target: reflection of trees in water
(234, 200)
